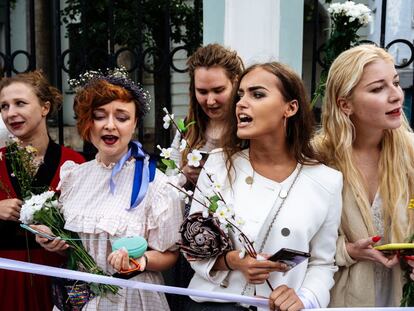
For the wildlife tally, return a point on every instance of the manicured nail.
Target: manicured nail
(376, 238)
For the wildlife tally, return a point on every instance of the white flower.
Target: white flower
(194, 158)
(188, 196)
(167, 118)
(165, 152)
(239, 221)
(215, 185)
(14, 139)
(222, 212)
(34, 204)
(183, 145)
(354, 11)
(171, 171)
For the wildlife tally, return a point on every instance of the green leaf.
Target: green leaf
(181, 125)
(213, 203)
(169, 163)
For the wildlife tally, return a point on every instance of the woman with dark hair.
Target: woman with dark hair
(286, 197)
(119, 193)
(26, 100)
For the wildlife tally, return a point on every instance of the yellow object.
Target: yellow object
(394, 246)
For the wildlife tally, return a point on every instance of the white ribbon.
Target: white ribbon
(21, 266)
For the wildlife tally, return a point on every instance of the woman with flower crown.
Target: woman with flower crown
(367, 137)
(270, 175)
(26, 100)
(120, 193)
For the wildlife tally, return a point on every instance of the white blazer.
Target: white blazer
(308, 221)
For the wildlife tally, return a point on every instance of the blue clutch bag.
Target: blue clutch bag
(136, 245)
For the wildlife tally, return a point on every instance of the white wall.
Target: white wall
(260, 30)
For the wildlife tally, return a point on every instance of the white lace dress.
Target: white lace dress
(100, 217)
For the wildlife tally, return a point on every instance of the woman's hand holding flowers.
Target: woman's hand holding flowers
(56, 245)
(255, 271)
(285, 298)
(10, 209)
(363, 250)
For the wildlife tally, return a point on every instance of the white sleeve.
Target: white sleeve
(308, 299)
(321, 268)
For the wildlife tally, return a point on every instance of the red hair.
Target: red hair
(94, 95)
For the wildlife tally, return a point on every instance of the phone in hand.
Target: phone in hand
(290, 257)
(39, 233)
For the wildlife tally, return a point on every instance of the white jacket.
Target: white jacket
(309, 221)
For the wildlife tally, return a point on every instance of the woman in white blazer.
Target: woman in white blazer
(273, 179)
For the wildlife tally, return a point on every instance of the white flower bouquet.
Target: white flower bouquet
(346, 19)
(43, 209)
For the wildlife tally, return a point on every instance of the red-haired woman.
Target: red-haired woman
(26, 100)
(119, 194)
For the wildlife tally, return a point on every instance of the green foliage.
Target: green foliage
(182, 127)
(134, 22)
(213, 203)
(169, 163)
(343, 35)
(407, 299)
(24, 166)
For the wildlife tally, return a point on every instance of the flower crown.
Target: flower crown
(117, 76)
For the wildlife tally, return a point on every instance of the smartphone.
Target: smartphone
(290, 257)
(39, 233)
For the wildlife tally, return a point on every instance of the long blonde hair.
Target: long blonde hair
(396, 163)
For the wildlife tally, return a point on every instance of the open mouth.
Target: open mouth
(110, 139)
(244, 119)
(16, 125)
(214, 109)
(396, 111)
